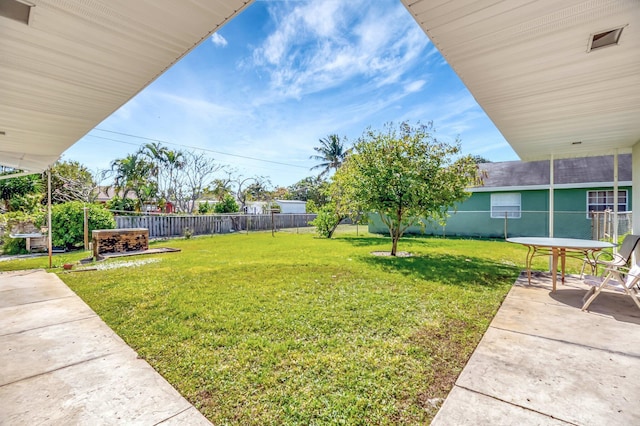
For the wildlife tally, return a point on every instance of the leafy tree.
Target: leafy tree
(405, 174)
(312, 188)
(331, 154)
(226, 205)
(255, 191)
(281, 193)
(121, 204)
(479, 159)
(21, 193)
(71, 181)
(341, 205)
(205, 208)
(67, 222)
(311, 207)
(28, 203)
(219, 188)
(327, 220)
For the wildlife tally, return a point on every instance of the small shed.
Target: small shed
(286, 207)
(292, 206)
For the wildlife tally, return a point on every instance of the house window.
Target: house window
(507, 204)
(599, 201)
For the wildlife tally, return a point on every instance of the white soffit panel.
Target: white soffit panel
(76, 62)
(527, 64)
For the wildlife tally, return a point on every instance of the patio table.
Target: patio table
(558, 248)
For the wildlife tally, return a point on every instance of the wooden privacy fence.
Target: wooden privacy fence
(162, 226)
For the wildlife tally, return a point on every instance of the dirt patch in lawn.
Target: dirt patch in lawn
(450, 352)
(388, 253)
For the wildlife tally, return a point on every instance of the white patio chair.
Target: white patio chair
(621, 258)
(619, 279)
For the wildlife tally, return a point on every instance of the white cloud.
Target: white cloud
(325, 44)
(198, 107)
(218, 40)
(322, 17)
(414, 86)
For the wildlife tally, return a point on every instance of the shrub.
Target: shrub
(204, 208)
(121, 204)
(327, 221)
(14, 245)
(188, 233)
(68, 222)
(227, 205)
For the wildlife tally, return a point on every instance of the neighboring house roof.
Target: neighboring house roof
(106, 193)
(290, 202)
(568, 172)
(276, 201)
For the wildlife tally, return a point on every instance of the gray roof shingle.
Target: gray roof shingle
(566, 171)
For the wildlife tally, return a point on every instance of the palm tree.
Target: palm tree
(331, 153)
(166, 163)
(156, 153)
(133, 174)
(173, 162)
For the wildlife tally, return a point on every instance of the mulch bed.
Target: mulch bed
(388, 253)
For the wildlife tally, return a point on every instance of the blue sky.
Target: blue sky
(284, 74)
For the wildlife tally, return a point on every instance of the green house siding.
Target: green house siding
(473, 216)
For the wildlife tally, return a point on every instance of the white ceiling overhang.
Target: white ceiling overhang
(76, 62)
(527, 65)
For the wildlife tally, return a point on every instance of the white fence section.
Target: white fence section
(603, 224)
(163, 226)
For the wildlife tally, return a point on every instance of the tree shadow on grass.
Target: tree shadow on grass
(365, 241)
(411, 239)
(447, 269)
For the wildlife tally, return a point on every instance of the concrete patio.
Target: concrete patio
(545, 362)
(61, 364)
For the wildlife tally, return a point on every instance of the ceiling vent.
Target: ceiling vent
(604, 39)
(16, 10)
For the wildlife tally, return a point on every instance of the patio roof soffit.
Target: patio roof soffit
(529, 66)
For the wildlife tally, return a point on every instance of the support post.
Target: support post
(614, 234)
(505, 226)
(551, 197)
(86, 228)
(50, 237)
(635, 191)
(273, 227)
(551, 212)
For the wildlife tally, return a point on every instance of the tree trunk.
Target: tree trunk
(394, 244)
(395, 231)
(332, 230)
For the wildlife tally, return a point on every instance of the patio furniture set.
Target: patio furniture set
(616, 274)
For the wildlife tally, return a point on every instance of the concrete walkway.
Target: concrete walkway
(61, 364)
(545, 362)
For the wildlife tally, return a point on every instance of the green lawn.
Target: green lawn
(292, 329)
